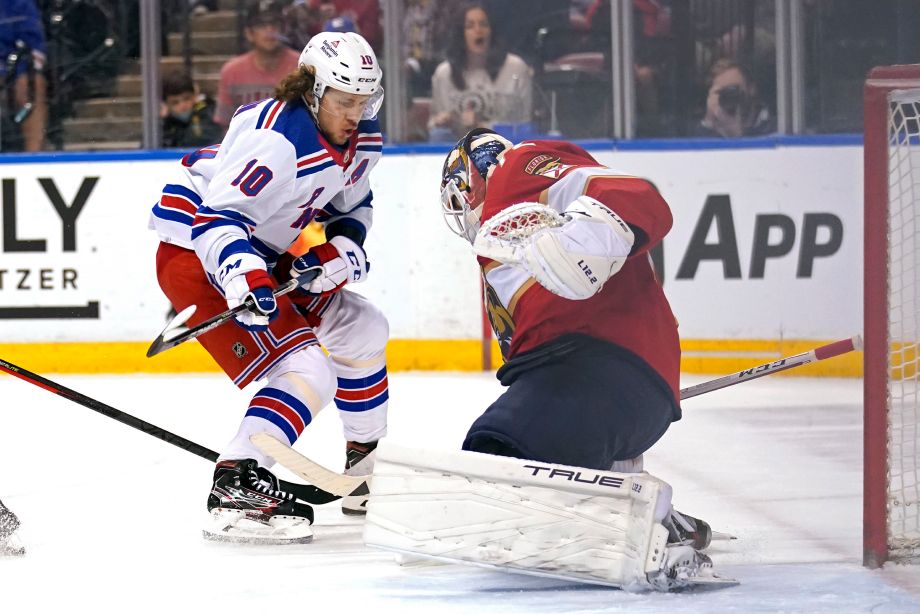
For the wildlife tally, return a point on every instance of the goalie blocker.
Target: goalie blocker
(529, 517)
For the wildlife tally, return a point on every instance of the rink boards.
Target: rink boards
(764, 259)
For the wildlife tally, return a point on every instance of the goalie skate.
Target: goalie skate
(685, 569)
(247, 506)
(685, 530)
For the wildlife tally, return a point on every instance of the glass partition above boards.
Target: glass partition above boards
(85, 75)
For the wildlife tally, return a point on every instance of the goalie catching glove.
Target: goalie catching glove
(572, 255)
(243, 276)
(340, 261)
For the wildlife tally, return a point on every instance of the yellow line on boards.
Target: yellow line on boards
(703, 356)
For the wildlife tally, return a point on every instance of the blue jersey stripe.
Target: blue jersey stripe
(315, 169)
(279, 421)
(181, 190)
(200, 229)
(362, 382)
(359, 406)
(263, 114)
(230, 214)
(288, 399)
(172, 215)
(239, 246)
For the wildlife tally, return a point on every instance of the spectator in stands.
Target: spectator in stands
(305, 18)
(253, 75)
(22, 58)
(424, 31)
(302, 21)
(188, 116)
(733, 107)
(363, 15)
(480, 84)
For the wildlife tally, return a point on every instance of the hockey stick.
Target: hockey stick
(174, 333)
(825, 351)
(304, 492)
(357, 485)
(336, 483)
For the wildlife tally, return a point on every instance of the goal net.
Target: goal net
(892, 315)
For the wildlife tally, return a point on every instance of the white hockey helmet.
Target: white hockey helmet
(344, 61)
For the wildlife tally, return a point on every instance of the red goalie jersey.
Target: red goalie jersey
(631, 311)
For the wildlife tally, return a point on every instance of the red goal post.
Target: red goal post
(891, 328)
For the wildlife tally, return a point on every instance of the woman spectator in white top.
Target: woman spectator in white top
(480, 84)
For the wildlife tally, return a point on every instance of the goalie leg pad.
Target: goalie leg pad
(518, 515)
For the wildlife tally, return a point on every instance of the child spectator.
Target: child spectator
(188, 116)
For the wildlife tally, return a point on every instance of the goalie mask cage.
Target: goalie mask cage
(891, 477)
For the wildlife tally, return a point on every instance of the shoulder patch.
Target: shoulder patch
(546, 165)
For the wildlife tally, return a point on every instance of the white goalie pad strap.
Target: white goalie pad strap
(577, 258)
(518, 515)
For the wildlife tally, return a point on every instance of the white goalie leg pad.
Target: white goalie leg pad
(517, 515)
(576, 259)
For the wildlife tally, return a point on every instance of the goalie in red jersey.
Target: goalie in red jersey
(590, 343)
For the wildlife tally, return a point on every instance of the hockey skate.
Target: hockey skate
(9, 546)
(685, 530)
(359, 460)
(686, 568)
(247, 506)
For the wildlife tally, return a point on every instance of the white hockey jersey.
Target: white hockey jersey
(272, 174)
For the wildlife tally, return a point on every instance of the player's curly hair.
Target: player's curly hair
(298, 83)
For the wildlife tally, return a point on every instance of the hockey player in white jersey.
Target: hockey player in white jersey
(225, 222)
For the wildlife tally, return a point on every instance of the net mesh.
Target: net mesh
(904, 326)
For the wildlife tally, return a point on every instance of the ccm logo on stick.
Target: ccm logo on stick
(576, 476)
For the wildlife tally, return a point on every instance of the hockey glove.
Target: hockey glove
(576, 259)
(243, 276)
(340, 261)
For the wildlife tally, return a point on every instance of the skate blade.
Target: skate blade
(406, 559)
(234, 526)
(705, 583)
(12, 551)
(354, 506)
(720, 536)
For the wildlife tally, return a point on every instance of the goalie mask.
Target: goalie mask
(344, 61)
(463, 179)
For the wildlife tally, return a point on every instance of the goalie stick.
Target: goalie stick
(175, 333)
(329, 485)
(304, 492)
(344, 485)
(820, 353)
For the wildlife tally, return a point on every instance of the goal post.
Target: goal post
(891, 328)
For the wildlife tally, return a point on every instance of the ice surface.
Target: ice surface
(112, 518)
